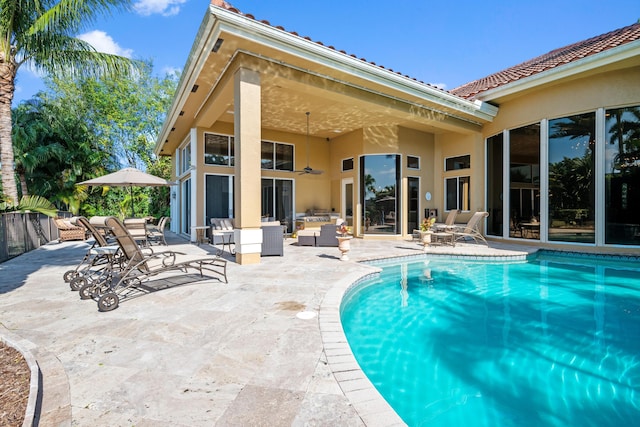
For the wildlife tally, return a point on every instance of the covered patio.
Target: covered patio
(244, 146)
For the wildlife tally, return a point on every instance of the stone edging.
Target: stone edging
(49, 393)
(372, 408)
(21, 345)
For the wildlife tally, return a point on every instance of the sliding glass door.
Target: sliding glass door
(277, 201)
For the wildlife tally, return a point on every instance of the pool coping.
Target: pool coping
(372, 408)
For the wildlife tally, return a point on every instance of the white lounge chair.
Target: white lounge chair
(471, 230)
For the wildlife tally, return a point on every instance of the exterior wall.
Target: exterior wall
(311, 191)
(451, 145)
(612, 89)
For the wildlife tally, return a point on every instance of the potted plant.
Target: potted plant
(344, 238)
(425, 230)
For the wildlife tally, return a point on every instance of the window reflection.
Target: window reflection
(494, 184)
(571, 179)
(379, 178)
(622, 176)
(524, 165)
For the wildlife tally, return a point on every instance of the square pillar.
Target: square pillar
(247, 186)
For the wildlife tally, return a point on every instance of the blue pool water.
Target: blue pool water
(554, 341)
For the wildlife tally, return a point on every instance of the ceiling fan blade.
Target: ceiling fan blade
(309, 170)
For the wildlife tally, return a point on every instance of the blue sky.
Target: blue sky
(443, 43)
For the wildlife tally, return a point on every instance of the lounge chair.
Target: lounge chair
(156, 234)
(139, 266)
(68, 231)
(471, 230)
(97, 264)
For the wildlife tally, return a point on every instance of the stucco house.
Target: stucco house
(267, 124)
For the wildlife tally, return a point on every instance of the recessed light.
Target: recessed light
(217, 45)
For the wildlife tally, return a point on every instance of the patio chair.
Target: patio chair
(272, 239)
(449, 223)
(328, 235)
(68, 231)
(137, 227)
(471, 230)
(156, 234)
(139, 266)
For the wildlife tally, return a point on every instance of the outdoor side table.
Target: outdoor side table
(225, 235)
(201, 233)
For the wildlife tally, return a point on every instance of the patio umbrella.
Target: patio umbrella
(128, 177)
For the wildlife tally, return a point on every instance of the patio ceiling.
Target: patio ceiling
(342, 93)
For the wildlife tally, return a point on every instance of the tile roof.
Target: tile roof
(555, 58)
(226, 5)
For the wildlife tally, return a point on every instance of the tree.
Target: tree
(54, 149)
(41, 33)
(124, 116)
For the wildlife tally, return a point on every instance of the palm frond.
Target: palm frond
(31, 203)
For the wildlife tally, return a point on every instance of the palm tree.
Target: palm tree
(42, 34)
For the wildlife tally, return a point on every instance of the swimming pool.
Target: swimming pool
(553, 341)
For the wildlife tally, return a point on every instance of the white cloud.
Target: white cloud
(442, 86)
(170, 70)
(103, 42)
(162, 7)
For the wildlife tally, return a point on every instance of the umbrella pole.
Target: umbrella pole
(133, 214)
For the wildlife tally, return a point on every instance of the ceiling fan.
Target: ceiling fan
(308, 169)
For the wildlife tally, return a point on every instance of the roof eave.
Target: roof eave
(205, 39)
(591, 62)
(327, 56)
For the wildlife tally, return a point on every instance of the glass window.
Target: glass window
(622, 176)
(571, 179)
(284, 157)
(266, 160)
(494, 184)
(456, 163)
(379, 180)
(218, 149)
(185, 156)
(276, 156)
(219, 196)
(458, 194)
(347, 164)
(413, 162)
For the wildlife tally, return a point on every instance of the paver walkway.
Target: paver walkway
(201, 354)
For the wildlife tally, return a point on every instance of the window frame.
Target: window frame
(446, 159)
(459, 204)
(230, 149)
(184, 158)
(418, 159)
(352, 164)
(274, 153)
